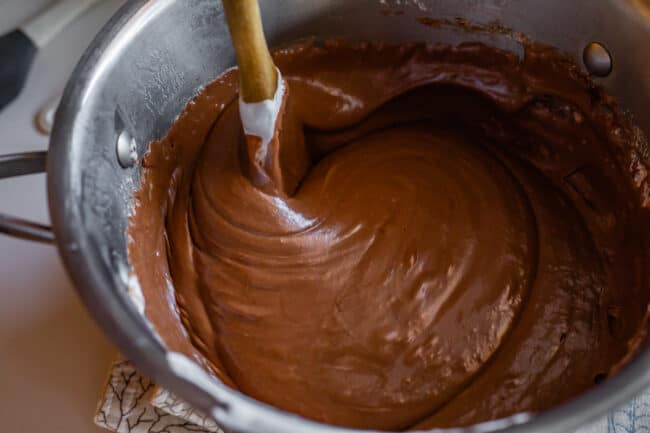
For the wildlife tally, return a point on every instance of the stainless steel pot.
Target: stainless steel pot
(153, 56)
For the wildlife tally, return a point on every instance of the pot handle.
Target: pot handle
(20, 164)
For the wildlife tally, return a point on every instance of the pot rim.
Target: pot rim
(97, 286)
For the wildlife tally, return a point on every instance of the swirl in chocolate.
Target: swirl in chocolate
(470, 239)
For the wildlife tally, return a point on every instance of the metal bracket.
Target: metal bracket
(21, 164)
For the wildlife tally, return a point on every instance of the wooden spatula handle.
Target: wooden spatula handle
(258, 76)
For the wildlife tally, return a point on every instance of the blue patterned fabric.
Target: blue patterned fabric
(634, 417)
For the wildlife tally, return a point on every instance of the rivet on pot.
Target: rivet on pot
(127, 153)
(597, 59)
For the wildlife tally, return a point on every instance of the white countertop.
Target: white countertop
(53, 357)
